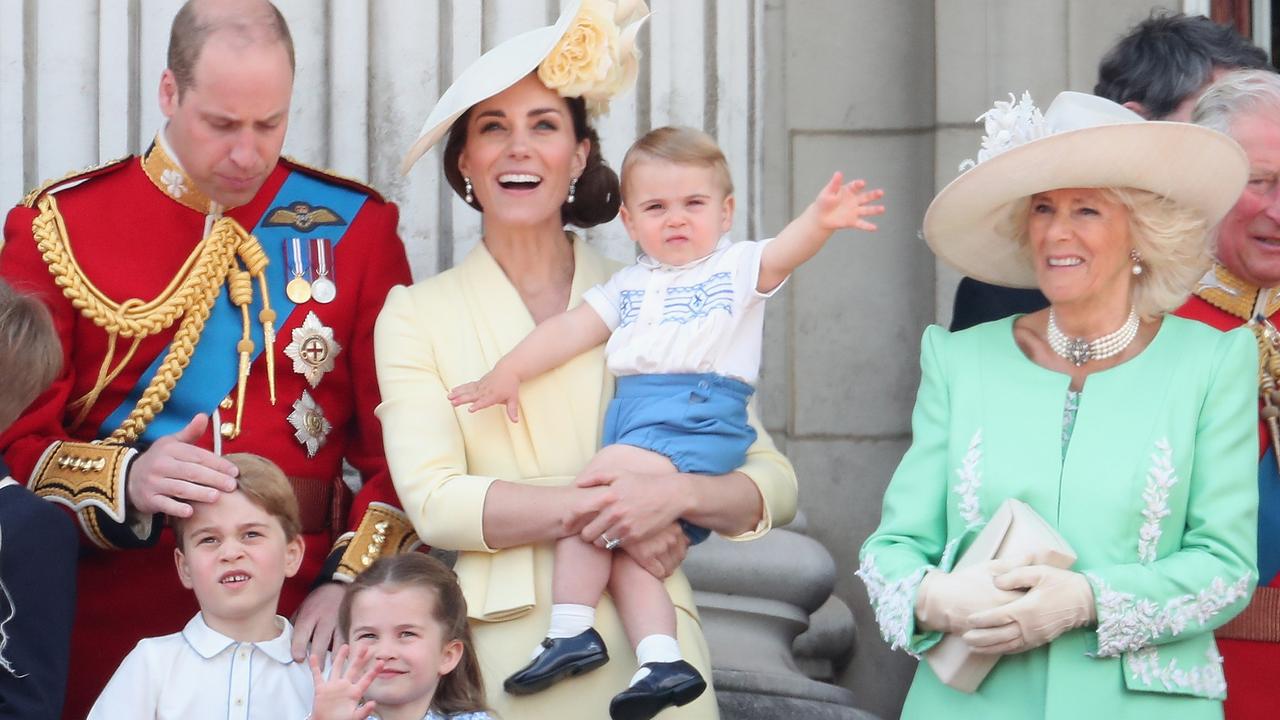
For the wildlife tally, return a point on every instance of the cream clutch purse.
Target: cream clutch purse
(1014, 531)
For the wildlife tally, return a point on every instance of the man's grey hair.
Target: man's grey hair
(1243, 92)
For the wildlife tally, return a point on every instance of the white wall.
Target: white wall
(78, 82)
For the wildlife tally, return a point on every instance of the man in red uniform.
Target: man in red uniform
(211, 297)
(1243, 287)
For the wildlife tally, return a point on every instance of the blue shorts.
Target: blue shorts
(698, 421)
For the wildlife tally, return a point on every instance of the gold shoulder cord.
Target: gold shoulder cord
(189, 296)
(1268, 371)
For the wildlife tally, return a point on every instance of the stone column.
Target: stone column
(754, 599)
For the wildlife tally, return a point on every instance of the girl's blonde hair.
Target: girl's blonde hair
(1171, 240)
(463, 689)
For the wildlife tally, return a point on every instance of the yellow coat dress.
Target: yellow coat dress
(451, 329)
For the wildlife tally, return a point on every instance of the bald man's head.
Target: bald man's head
(240, 22)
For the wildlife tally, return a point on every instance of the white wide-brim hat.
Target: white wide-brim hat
(1083, 141)
(507, 63)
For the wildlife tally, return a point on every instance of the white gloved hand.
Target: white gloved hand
(945, 600)
(1056, 601)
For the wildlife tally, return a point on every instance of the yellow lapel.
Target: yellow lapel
(560, 411)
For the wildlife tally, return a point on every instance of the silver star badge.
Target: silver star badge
(313, 349)
(311, 427)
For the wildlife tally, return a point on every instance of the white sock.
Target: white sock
(566, 621)
(655, 648)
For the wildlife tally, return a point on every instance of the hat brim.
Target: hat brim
(966, 224)
(496, 70)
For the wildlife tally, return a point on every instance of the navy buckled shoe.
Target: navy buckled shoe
(668, 683)
(560, 658)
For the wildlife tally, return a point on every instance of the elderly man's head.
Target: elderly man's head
(1165, 62)
(1246, 106)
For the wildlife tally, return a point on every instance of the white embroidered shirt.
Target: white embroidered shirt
(702, 317)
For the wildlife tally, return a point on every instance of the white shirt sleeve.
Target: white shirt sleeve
(747, 270)
(133, 691)
(606, 300)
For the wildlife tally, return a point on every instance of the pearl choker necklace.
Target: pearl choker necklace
(1079, 351)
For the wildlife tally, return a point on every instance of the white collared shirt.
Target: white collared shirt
(702, 317)
(201, 674)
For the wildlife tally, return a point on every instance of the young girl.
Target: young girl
(409, 654)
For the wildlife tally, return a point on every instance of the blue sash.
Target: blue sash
(1268, 518)
(215, 363)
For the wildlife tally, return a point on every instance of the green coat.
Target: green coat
(1157, 493)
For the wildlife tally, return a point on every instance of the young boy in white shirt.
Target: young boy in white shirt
(684, 329)
(233, 660)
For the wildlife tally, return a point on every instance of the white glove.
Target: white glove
(945, 600)
(1055, 601)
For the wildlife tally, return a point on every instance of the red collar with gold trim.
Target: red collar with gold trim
(1223, 290)
(168, 176)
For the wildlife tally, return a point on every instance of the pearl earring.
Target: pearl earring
(466, 185)
(573, 189)
(1137, 262)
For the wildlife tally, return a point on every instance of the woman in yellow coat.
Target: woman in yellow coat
(521, 150)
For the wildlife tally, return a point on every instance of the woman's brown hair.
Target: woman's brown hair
(463, 689)
(597, 196)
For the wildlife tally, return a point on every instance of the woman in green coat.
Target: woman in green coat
(1130, 431)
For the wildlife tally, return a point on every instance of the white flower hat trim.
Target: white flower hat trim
(894, 602)
(1008, 125)
(1207, 680)
(1127, 623)
(1160, 479)
(970, 474)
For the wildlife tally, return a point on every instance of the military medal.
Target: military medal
(322, 287)
(311, 429)
(298, 289)
(313, 349)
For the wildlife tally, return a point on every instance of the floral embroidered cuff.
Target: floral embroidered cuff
(895, 607)
(1127, 622)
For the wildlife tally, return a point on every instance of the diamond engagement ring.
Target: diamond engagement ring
(609, 543)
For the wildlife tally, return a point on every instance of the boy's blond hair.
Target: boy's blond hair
(266, 487)
(681, 146)
(30, 352)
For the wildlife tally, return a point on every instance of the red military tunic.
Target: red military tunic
(129, 230)
(1250, 644)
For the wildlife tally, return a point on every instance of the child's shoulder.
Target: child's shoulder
(153, 657)
(475, 715)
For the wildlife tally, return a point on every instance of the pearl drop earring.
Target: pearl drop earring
(466, 185)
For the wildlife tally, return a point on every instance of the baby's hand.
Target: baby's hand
(844, 206)
(496, 387)
(338, 698)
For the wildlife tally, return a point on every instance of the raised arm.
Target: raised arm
(551, 344)
(837, 206)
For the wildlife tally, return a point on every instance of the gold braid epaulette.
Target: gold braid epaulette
(189, 296)
(29, 200)
(330, 174)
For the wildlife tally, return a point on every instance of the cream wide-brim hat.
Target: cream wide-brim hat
(1091, 142)
(496, 70)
